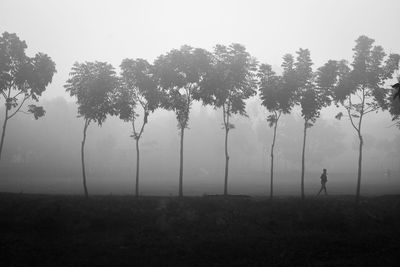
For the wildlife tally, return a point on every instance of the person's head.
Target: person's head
(324, 170)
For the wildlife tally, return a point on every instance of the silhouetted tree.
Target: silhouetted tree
(276, 94)
(138, 89)
(359, 88)
(93, 84)
(228, 83)
(179, 73)
(21, 78)
(394, 101)
(396, 94)
(310, 97)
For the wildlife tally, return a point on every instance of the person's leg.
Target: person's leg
(320, 190)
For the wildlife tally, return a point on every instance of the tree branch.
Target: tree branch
(20, 92)
(362, 110)
(369, 110)
(348, 112)
(141, 101)
(228, 113)
(394, 124)
(144, 121)
(20, 106)
(133, 125)
(359, 97)
(223, 113)
(9, 92)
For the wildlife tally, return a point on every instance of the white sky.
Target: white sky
(78, 30)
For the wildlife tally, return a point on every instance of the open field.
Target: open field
(56, 230)
(66, 230)
(52, 179)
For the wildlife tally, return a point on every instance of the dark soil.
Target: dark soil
(47, 230)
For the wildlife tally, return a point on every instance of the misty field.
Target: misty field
(57, 230)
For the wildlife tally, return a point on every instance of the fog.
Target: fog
(43, 156)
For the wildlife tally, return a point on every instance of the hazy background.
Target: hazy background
(44, 155)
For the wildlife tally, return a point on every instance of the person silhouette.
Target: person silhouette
(324, 180)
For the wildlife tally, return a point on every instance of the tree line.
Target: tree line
(223, 79)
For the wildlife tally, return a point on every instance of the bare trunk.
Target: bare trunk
(83, 158)
(3, 134)
(359, 167)
(272, 162)
(302, 159)
(181, 165)
(137, 138)
(358, 129)
(137, 168)
(226, 162)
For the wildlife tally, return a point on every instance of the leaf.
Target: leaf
(11, 103)
(37, 111)
(339, 116)
(271, 120)
(309, 125)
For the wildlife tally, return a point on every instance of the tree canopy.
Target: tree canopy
(179, 73)
(276, 93)
(230, 80)
(93, 83)
(138, 87)
(21, 75)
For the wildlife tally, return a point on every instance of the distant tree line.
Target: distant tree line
(223, 79)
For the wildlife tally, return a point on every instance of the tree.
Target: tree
(394, 106)
(93, 84)
(359, 88)
(138, 88)
(229, 81)
(276, 94)
(310, 97)
(22, 78)
(396, 87)
(179, 73)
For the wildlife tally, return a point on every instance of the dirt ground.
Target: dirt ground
(57, 230)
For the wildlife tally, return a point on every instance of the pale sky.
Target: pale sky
(77, 30)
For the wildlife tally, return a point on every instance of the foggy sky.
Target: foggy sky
(75, 30)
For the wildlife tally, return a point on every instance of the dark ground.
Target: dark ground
(54, 230)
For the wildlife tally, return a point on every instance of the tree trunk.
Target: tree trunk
(226, 162)
(137, 168)
(4, 132)
(359, 167)
(181, 165)
(83, 158)
(302, 160)
(272, 161)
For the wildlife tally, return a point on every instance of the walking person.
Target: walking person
(324, 180)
